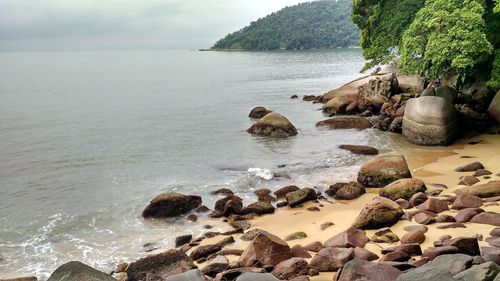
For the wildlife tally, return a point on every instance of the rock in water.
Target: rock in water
(171, 204)
(259, 112)
(380, 212)
(273, 125)
(403, 188)
(383, 170)
(265, 249)
(363, 270)
(345, 122)
(160, 266)
(494, 108)
(430, 121)
(359, 149)
(77, 271)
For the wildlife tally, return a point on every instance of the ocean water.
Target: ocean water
(88, 138)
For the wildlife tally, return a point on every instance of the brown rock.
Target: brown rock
(171, 204)
(465, 245)
(417, 199)
(259, 208)
(378, 213)
(183, 239)
(421, 228)
(160, 266)
(352, 237)
(331, 259)
(410, 249)
(490, 218)
(282, 192)
(299, 252)
(433, 205)
(291, 268)
(265, 249)
(468, 180)
(345, 122)
(471, 167)
(222, 191)
(452, 225)
(395, 256)
(383, 170)
(445, 218)
(414, 237)
(495, 232)
(315, 246)
(32, 278)
(403, 188)
(326, 225)
(359, 149)
(358, 270)
(363, 254)
(433, 252)
(274, 125)
(425, 218)
(384, 236)
(346, 191)
(482, 172)
(300, 196)
(217, 265)
(467, 201)
(258, 112)
(465, 215)
(489, 189)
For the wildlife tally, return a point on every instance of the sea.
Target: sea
(87, 139)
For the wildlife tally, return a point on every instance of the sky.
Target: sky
(64, 25)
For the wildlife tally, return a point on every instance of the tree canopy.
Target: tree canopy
(433, 37)
(310, 25)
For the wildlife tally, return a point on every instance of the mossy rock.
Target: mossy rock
(403, 188)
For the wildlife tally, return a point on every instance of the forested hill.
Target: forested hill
(311, 25)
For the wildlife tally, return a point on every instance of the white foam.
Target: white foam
(262, 173)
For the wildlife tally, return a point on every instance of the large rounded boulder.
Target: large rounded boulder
(430, 120)
(265, 249)
(383, 170)
(403, 188)
(77, 271)
(378, 213)
(494, 108)
(171, 204)
(345, 122)
(273, 125)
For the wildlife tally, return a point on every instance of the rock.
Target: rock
(489, 189)
(352, 237)
(487, 218)
(429, 121)
(348, 91)
(418, 198)
(336, 105)
(377, 91)
(331, 259)
(228, 205)
(326, 225)
(442, 268)
(395, 256)
(299, 252)
(345, 122)
(452, 225)
(294, 97)
(156, 267)
(495, 232)
(396, 125)
(265, 249)
(378, 213)
(259, 208)
(494, 108)
(484, 272)
(383, 170)
(282, 192)
(425, 218)
(385, 236)
(359, 149)
(204, 251)
(358, 270)
(222, 191)
(314, 209)
(346, 191)
(471, 167)
(31, 278)
(421, 228)
(443, 91)
(250, 235)
(465, 215)
(467, 201)
(300, 196)
(291, 268)
(468, 180)
(77, 271)
(363, 254)
(413, 237)
(402, 188)
(410, 84)
(273, 125)
(258, 112)
(481, 172)
(465, 245)
(296, 235)
(252, 276)
(409, 249)
(315, 246)
(191, 275)
(171, 204)
(445, 218)
(433, 205)
(219, 264)
(433, 252)
(183, 239)
(404, 204)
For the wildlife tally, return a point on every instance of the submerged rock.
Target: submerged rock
(378, 213)
(403, 188)
(259, 112)
(345, 122)
(383, 170)
(273, 125)
(171, 204)
(430, 121)
(77, 271)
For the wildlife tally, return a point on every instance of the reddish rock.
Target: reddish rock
(352, 237)
(378, 213)
(326, 225)
(265, 249)
(346, 191)
(490, 218)
(160, 266)
(433, 205)
(331, 259)
(345, 122)
(414, 237)
(290, 268)
(425, 218)
(314, 246)
(410, 228)
(183, 239)
(404, 204)
(363, 254)
(363, 270)
(383, 170)
(445, 218)
(433, 252)
(495, 232)
(359, 149)
(465, 245)
(395, 256)
(468, 180)
(467, 201)
(171, 204)
(452, 225)
(259, 208)
(471, 167)
(482, 172)
(282, 192)
(410, 249)
(299, 252)
(465, 215)
(417, 199)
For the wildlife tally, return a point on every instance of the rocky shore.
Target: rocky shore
(429, 213)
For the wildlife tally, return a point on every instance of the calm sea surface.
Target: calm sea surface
(88, 138)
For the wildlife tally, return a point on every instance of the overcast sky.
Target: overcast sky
(51, 25)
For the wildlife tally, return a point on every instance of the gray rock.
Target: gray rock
(363, 270)
(494, 108)
(430, 121)
(274, 125)
(163, 265)
(192, 275)
(442, 268)
(483, 272)
(252, 276)
(77, 271)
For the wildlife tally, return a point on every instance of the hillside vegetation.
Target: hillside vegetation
(311, 25)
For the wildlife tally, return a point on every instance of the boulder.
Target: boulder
(337, 105)
(443, 268)
(259, 208)
(219, 264)
(258, 112)
(352, 237)
(282, 192)
(228, 205)
(494, 108)
(359, 149)
(490, 218)
(464, 201)
(433, 252)
(482, 272)
(350, 90)
(345, 122)
(265, 249)
(378, 213)
(430, 121)
(465, 215)
(300, 252)
(489, 189)
(300, 196)
(383, 170)
(443, 91)
(358, 270)
(402, 188)
(414, 237)
(409, 249)
(331, 259)
(471, 167)
(191, 275)
(433, 205)
(290, 268)
(315, 246)
(363, 254)
(346, 191)
(183, 239)
(171, 204)
(77, 271)
(156, 267)
(377, 91)
(273, 125)
(412, 84)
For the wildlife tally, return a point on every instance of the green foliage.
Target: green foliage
(446, 37)
(310, 25)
